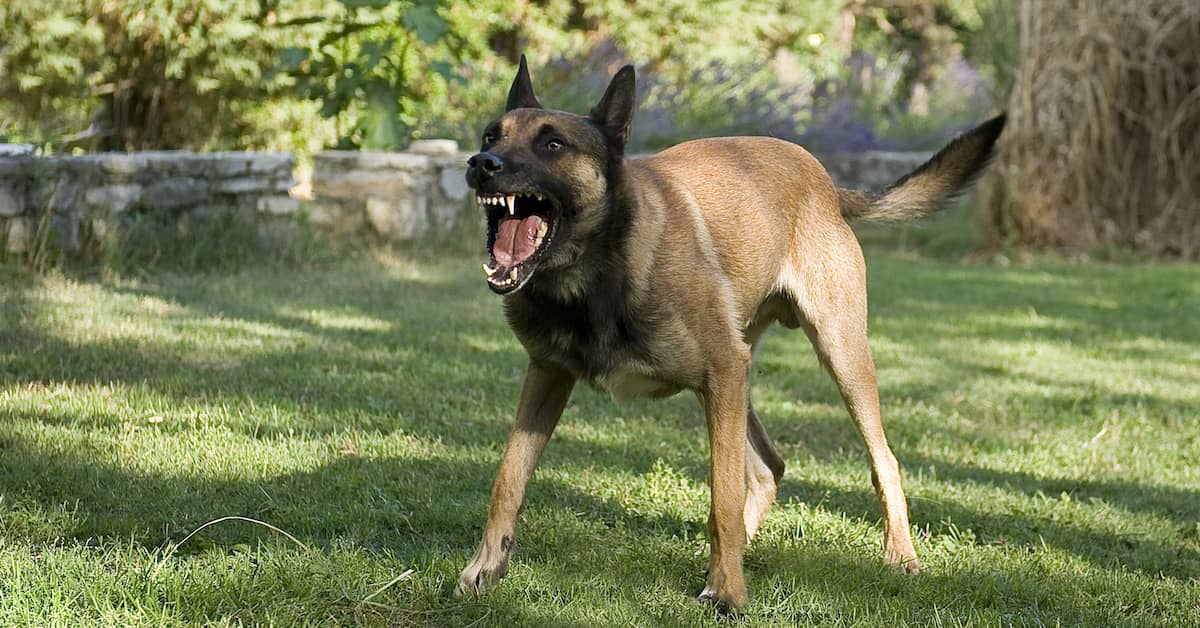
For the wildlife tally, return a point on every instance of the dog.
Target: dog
(649, 276)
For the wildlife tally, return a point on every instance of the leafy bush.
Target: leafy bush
(305, 74)
(139, 75)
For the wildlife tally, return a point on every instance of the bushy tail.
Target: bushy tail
(916, 194)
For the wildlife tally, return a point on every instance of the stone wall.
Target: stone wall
(395, 197)
(412, 195)
(91, 194)
(873, 170)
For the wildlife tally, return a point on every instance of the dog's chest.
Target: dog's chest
(632, 383)
(602, 344)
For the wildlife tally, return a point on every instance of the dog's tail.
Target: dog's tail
(941, 178)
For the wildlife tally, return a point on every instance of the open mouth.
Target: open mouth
(521, 227)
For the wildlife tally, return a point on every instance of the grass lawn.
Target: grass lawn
(1046, 417)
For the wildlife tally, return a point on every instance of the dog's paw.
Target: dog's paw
(481, 575)
(725, 594)
(904, 563)
(727, 603)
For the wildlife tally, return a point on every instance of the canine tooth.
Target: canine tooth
(512, 275)
(511, 200)
(542, 229)
(539, 196)
(488, 269)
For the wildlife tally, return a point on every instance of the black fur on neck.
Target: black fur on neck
(597, 329)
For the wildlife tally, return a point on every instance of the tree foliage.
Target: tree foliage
(229, 73)
(129, 75)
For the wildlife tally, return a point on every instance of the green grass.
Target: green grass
(1046, 416)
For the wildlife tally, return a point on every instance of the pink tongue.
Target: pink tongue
(516, 240)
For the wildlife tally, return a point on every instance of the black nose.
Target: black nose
(486, 164)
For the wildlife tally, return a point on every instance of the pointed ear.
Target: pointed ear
(615, 110)
(521, 93)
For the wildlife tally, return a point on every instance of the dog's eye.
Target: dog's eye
(554, 144)
(488, 138)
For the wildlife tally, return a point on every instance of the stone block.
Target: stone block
(17, 150)
(331, 162)
(12, 201)
(870, 170)
(229, 165)
(15, 167)
(113, 198)
(453, 182)
(271, 163)
(127, 164)
(61, 195)
(278, 205)
(283, 184)
(434, 147)
(398, 218)
(177, 163)
(243, 185)
(358, 184)
(445, 213)
(175, 193)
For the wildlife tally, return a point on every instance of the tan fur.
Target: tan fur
(728, 235)
(733, 257)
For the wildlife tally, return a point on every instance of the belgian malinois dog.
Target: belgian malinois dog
(649, 276)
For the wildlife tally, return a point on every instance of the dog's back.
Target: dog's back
(763, 208)
(733, 193)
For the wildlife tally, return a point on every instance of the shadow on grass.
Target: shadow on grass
(393, 505)
(1105, 549)
(442, 356)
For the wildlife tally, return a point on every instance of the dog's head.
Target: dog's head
(542, 178)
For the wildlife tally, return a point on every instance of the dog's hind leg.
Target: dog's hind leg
(764, 470)
(543, 397)
(829, 288)
(764, 466)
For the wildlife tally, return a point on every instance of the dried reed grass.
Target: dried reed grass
(1103, 140)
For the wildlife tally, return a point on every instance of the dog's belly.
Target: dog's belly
(628, 384)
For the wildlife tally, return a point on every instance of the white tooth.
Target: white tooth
(542, 229)
(512, 204)
(539, 196)
(512, 275)
(488, 270)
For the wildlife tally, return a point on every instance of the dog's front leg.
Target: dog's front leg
(725, 398)
(543, 397)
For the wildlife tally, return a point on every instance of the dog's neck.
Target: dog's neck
(587, 308)
(601, 266)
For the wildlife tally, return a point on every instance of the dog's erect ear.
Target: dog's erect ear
(521, 93)
(615, 111)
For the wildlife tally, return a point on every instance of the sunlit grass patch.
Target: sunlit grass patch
(1045, 416)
